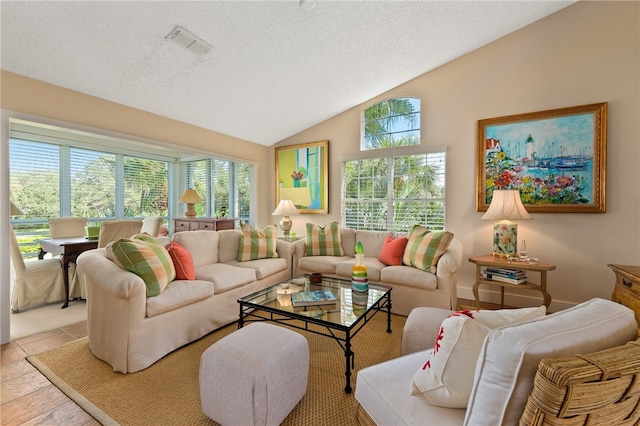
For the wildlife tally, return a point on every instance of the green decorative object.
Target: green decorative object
(359, 248)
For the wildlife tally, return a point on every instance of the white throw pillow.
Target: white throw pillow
(446, 378)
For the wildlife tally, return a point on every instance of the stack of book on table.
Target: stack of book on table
(511, 276)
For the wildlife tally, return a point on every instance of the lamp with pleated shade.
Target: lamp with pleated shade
(506, 206)
(190, 197)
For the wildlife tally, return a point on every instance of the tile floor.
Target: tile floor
(26, 396)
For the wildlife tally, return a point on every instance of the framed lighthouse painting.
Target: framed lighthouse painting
(555, 158)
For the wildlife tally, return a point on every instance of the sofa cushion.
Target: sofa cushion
(425, 248)
(373, 265)
(228, 243)
(372, 241)
(225, 276)
(257, 243)
(446, 377)
(409, 276)
(182, 262)
(323, 241)
(179, 293)
(263, 267)
(203, 245)
(322, 264)
(147, 259)
(392, 250)
(503, 382)
(348, 241)
(384, 389)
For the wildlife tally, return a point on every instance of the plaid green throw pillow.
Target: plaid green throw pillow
(425, 248)
(257, 243)
(324, 241)
(148, 259)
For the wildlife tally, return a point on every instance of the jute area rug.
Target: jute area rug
(168, 393)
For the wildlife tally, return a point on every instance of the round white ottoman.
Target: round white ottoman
(254, 376)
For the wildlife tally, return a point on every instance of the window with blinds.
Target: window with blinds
(59, 180)
(224, 184)
(58, 172)
(394, 193)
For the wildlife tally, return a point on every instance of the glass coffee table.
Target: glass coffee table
(341, 320)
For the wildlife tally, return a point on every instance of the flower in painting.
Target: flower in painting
(504, 179)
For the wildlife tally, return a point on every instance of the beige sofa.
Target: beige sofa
(504, 371)
(130, 331)
(412, 287)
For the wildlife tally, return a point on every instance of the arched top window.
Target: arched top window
(391, 123)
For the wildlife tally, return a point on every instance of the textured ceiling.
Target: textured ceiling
(274, 70)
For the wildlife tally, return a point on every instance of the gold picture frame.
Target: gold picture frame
(555, 158)
(302, 176)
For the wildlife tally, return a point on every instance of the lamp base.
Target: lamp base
(505, 239)
(285, 225)
(191, 212)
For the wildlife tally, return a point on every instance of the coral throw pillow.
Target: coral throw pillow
(324, 241)
(392, 251)
(182, 262)
(257, 243)
(446, 378)
(425, 248)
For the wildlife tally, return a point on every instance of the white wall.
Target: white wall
(586, 53)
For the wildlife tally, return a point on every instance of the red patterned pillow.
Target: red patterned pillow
(392, 250)
(183, 262)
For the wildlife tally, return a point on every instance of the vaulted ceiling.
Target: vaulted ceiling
(274, 68)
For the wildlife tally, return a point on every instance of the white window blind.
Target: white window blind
(34, 180)
(394, 193)
(223, 184)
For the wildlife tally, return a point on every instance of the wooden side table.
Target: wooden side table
(500, 262)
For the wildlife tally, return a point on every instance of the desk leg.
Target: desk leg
(41, 253)
(65, 275)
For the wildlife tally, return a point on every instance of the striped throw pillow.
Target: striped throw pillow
(257, 243)
(425, 248)
(324, 241)
(149, 260)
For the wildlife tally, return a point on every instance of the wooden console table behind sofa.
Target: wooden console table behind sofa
(202, 224)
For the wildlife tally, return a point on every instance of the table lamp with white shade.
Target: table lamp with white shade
(285, 208)
(190, 197)
(506, 206)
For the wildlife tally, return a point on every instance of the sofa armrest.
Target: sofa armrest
(116, 305)
(298, 251)
(447, 271)
(285, 251)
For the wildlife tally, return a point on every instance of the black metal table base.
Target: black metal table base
(253, 311)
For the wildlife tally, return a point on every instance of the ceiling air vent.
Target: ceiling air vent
(187, 40)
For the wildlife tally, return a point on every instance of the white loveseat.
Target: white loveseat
(412, 287)
(505, 369)
(131, 331)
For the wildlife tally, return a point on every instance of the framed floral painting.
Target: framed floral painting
(302, 176)
(555, 158)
